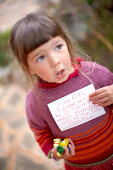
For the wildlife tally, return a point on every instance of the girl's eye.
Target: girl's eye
(39, 59)
(58, 47)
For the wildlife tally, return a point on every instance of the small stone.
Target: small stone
(16, 123)
(3, 163)
(5, 113)
(15, 98)
(28, 141)
(0, 136)
(11, 138)
(25, 163)
(2, 150)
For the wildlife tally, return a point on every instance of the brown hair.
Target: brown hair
(34, 30)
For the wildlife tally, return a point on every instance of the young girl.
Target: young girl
(44, 50)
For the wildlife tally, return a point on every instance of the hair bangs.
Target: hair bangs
(35, 35)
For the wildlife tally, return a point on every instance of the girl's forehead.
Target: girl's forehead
(53, 40)
(46, 46)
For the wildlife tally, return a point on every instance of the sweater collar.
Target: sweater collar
(47, 85)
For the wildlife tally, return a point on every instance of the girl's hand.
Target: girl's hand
(102, 96)
(66, 153)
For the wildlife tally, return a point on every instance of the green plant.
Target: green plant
(4, 54)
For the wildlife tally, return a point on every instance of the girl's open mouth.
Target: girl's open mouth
(61, 74)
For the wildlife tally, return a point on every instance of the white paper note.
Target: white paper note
(75, 109)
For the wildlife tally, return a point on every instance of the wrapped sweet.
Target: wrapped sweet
(60, 145)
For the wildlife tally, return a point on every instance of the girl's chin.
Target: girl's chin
(62, 80)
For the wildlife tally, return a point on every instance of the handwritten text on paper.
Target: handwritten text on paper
(75, 109)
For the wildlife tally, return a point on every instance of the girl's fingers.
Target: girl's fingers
(71, 142)
(97, 97)
(106, 103)
(72, 150)
(102, 93)
(100, 101)
(97, 92)
(54, 151)
(66, 151)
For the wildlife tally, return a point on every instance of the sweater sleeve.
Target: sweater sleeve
(107, 77)
(102, 75)
(39, 127)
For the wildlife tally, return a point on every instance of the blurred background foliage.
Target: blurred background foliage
(90, 23)
(4, 54)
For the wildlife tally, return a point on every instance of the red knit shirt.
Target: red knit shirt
(94, 139)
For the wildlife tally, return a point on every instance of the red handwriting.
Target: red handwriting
(74, 110)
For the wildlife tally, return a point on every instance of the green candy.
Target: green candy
(60, 149)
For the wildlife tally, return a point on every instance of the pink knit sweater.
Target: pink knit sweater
(93, 139)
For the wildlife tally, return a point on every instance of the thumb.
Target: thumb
(54, 151)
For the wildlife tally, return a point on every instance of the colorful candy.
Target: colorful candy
(61, 145)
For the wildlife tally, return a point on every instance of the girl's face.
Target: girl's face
(51, 61)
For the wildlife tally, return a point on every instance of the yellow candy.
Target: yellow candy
(58, 154)
(65, 142)
(56, 142)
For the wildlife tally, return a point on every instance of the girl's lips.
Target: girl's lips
(61, 74)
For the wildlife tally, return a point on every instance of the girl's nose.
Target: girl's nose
(54, 60)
